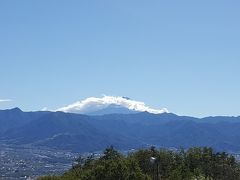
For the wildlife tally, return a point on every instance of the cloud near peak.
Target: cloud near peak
(93, 104)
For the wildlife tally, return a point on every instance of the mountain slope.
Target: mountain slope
(66, 131)
(15, 118)
(91, 133)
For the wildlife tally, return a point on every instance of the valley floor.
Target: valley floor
(19, 162)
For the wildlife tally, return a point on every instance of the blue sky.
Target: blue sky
(182, 55)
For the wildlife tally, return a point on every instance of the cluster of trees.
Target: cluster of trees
(152, 164)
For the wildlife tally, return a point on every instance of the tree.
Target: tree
(192, 164)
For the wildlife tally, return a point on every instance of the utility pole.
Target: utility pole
(154, 162)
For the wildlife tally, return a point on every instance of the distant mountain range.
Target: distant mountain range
(88, 133)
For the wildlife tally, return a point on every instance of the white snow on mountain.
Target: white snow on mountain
(92, 104)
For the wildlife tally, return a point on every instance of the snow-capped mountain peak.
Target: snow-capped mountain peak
(109, 105)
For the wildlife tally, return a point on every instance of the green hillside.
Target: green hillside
(195, 163)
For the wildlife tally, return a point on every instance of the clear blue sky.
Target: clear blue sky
(182, 55)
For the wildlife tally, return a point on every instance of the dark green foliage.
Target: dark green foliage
(193, 164)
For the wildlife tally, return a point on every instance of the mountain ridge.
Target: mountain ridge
(83, 133)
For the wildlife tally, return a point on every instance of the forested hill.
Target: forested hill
(193, 164)
(82, 133)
